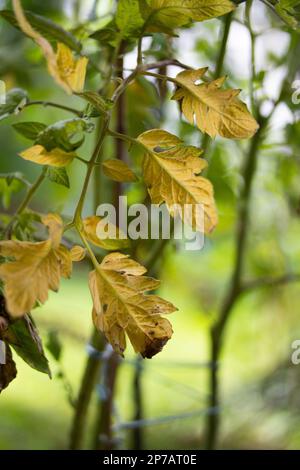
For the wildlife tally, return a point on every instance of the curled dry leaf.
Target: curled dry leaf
(71, 71)
(104, 234)
(117, 170)
(215, 111)
(36, 268)
(56, 157)
(171, 171)
(121, 306)
(77, 253)
(67, 71)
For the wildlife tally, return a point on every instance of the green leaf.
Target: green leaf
(24, 338)
(107, 36)
(46, 27)
(128, 18)
(58, 175)
(10, 177)
(54, 345)
(30, 130)
(175, 13)
(289, 11)
(67, 135)
(16, 99)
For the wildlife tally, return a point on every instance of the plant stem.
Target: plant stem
(91, 371)
(234, 290)
(137, 433)
(29, 195)
(90, 168)
(54, 105)
(103, 436)
(236, 286)
(120, 128)
(92, 366)
(253, 65)
(125, 137)
(140, 51)
(206, 141)
(222, 51)
(158, 76)
(97, 341)
(31, 192)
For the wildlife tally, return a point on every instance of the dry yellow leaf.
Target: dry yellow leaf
(117, 170)
(215, 111)
(71, 71)
(68, 72)
(103, 234)
(171, 171)
(121, 306)
(56, 157)
(77, 253)
(36, 268)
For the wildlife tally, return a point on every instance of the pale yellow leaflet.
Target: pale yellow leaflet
(214, 110)
(56, 157)
(68, 72)
(36, 268)
(171, 171)
(122, 308)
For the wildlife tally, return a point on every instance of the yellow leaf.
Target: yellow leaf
(117, 170)
(56, 157)
(171, 171)
(175, 13)
(215, 111)
(71, 71)
(36, 268)
(121, 306)
(77, 253)
(96, 230)
(66, 71)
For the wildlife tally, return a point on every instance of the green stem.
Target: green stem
(87, 385)
(206, 141)
(158, 76)
(16, 177)
(140, 51)
(125, 137)
(103, 433)
(54, 105)
(222, 51)
(97, 341)
(236, 285)
(253, 62)
(218, 330)
(31, 192)
(90, 168)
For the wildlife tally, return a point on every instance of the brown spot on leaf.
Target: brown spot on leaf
(154, 347)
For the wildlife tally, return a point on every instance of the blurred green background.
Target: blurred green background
(259, 383)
